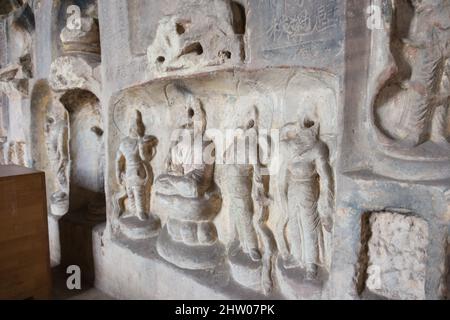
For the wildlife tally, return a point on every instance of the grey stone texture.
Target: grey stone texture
(335, 184)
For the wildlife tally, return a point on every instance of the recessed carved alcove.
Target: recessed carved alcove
(407, 94)
(86, 150)
(272, 100)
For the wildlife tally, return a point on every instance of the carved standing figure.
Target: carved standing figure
(306, 194)
(133, 170)
(248, 200)
(240, 181)
(57, 138)
(430, 36)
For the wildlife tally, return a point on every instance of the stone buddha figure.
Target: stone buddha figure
(187, 193)
(187, 175)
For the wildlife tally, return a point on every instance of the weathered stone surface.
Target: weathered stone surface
(198, 36)
(397, 254)
(253, 148)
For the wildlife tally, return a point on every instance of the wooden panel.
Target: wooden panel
(24, 248)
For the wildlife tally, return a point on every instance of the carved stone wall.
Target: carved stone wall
(253, 148)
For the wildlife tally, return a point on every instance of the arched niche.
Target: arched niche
(86, 149)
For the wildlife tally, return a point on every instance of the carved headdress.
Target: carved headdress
(196, 114)
(137, 127)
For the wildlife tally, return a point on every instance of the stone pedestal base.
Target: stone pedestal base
(198, 257)
(294, 285)
(127, 269)
(134, 228)
(245, 271)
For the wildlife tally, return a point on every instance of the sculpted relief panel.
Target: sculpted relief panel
(419, 86)
(237, 148)
(199, 35)
(237, 187)
(57, 139)
(408, 94)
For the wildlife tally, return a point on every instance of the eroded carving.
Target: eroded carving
(13, 81)
(79, 65)
(16, 62)
(12, 152)
(306, 198)
(135, 175)
(188, 194)
(57, 139)
(248, 210)
(198, 36)
(412, 106)
(82, 36)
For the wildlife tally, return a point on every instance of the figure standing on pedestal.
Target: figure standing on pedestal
(134, 173)
(306, 193)
(252, 245)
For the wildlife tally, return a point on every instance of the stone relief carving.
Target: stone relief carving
(411, 108)
(57, 139)
(12, 152)
(13, 81)
(306, 198)
(219, 218)
(188, 194)
(199, 35)
(79, 63)
(76, 83)
(135, 175)
(82, 38)
(276, 58)
(430, 37)
(249, 201)
(16, 66)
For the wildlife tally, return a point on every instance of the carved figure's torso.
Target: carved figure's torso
(135, 170)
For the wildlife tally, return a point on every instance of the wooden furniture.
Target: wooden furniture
(24, 248)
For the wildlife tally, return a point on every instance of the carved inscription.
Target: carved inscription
(292, 22)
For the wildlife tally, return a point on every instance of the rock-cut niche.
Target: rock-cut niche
(86, 152)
